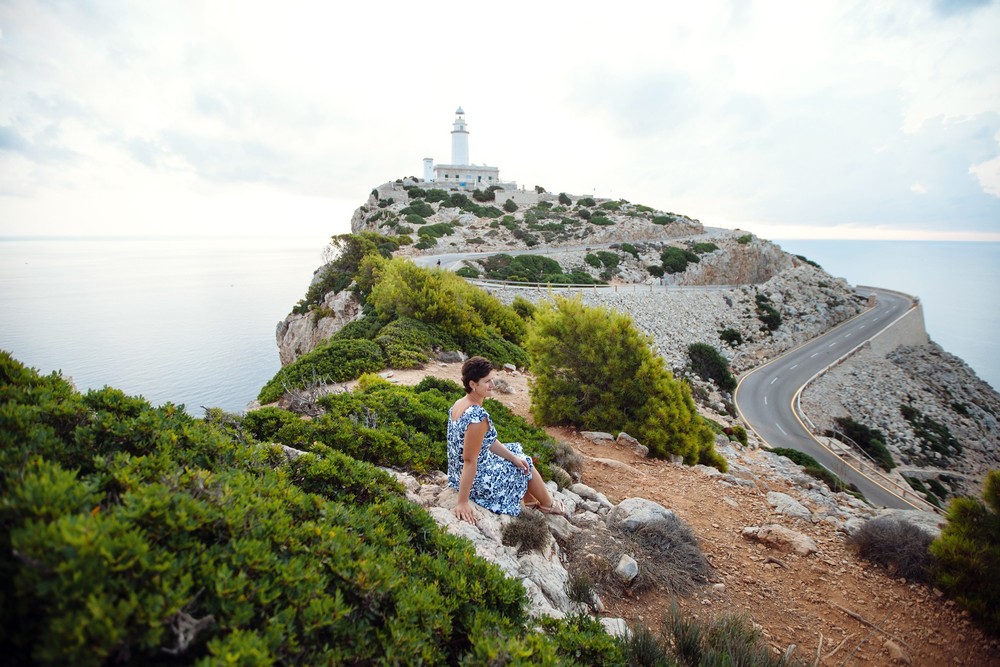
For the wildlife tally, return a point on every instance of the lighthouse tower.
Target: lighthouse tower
(461, 173)
(459, 140)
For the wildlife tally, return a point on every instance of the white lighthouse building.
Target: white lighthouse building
(461, 173)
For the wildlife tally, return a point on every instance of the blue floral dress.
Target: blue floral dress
(498, 485)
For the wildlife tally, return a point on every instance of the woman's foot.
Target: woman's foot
(556, 507)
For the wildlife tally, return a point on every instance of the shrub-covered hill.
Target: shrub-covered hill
(427, 217)
(140, 535)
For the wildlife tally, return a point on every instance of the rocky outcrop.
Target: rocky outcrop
(298, 334)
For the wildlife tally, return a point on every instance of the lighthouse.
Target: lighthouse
(459, 140)
(460, 172)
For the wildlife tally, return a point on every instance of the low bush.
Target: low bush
(338, 360)
(468, 272)
(528, 532)
(746, 238)
(675, 260)
(707, 363)
(935, 435)
(899, 546)
(408, 343)
(872, 441)
(435, 195)
(509, 206)
(608, 259)
(419, 208)
(702, 248)
(586, 202)
(630, 249)
(767, 313)
(662, 219)
(601, 220)
(731, 337)
(727, 640)
(813, 468)
(564, 199)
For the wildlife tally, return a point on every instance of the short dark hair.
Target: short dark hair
(473, 370)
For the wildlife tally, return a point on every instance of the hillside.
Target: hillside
(827, 603)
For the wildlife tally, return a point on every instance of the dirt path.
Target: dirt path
(859, 613)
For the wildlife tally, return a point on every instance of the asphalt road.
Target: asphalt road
(765, 397)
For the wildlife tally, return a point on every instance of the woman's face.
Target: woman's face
(483, 387)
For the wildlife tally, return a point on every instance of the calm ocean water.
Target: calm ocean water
(958, 284)
(191, 321)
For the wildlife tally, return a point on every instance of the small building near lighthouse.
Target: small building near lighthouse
(460, 172)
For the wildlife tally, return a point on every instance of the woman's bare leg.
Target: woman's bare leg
(537, 490)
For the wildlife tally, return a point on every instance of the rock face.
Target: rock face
(298, 334)
(873, 389)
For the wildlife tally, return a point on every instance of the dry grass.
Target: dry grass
(900, 547)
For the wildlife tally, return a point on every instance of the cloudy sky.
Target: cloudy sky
(789, 119)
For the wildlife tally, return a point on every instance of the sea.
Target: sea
(191, 321)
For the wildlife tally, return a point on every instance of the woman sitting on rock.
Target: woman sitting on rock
(495, 476)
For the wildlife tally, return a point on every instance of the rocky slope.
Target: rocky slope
(773, 537)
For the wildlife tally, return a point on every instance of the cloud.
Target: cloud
(823, 113)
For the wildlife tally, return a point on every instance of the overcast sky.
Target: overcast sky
(789, 119)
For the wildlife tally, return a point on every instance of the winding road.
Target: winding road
(766, 397)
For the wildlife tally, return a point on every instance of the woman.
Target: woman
(483, 469)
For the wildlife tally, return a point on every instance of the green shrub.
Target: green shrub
(932, 433)
(407, 343)
(596, 371)
(593, 260)
(419, 208)
(523, 307)
(872, 441)
(402, 289)
(436, 195)
(601, 220)
(414, 219)
(746, 238)
(584, 214)
(585, 202)
(731, 337)
(338, 360)
(662, 219)
(675, 260)
(564, 199)
(468, 272)
(655, 270)
(608, 259)
(509, 206)
(813, 468)
(706, 362)
(702, 248)
(582, 640)
(630, 249)
(900, 547)
(496, 349)
(767, 313)
(967, 554)
(141, 535)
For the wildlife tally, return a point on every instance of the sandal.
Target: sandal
(531, 504)
(557, 507)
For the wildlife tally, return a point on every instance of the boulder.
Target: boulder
(781, 538)
(632, 513)
(788, 506)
